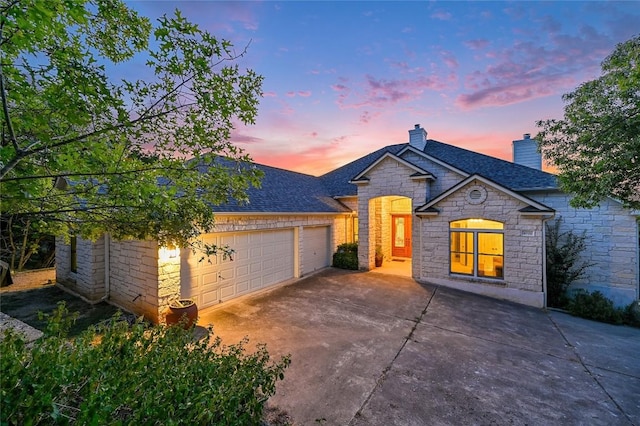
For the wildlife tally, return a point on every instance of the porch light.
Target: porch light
(168, 252)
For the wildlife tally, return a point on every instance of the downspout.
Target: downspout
(107, 268)
(544, 260)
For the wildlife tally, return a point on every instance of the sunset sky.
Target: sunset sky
(342, 79)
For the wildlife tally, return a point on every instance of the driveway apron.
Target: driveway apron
(375, 349)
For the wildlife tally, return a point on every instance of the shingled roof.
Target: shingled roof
(291, 192)
(513, 176)
(284, 191)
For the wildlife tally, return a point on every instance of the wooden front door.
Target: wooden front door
(401, 235)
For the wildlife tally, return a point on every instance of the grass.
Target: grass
(25, 305)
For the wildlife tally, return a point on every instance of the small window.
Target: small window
(355, 229)
(477, 248)
(74, 254)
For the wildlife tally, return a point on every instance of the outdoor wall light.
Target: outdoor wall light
(168, 252)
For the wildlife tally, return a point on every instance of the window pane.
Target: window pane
(490, 243)
(490, 266)
(477, 224)
(462, 253)
(462, 263)
(462, 242)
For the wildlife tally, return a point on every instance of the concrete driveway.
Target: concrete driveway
(375, 349)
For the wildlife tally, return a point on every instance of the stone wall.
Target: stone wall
(523, 246)
(88, 279)
(135, 277)
(612, 244)
(388, 178)
(142, 281)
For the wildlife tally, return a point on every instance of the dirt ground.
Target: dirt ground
(24, 303)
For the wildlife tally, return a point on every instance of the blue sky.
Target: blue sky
(342, 79)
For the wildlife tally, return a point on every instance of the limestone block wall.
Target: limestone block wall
(135, 277)
(523, 246)
(63, 260)
(612, 244)
(388, 178)
(445, 178)
(88, 280)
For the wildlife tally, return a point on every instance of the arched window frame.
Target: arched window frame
(476, 248)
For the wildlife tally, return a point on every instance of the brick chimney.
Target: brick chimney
(525, 152)
(418, 137)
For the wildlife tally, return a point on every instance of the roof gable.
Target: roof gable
(533, 207)
(419, 173)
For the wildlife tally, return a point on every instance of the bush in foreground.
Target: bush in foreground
(119, 373)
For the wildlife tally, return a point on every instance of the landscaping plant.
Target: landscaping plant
(564, 266)
(119, 373)
(346, 257)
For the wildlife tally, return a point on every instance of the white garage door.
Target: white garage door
(261, 259)
(315, 248)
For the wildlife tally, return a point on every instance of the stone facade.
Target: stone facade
(143, 281)
(523, 246)
(612, 231)
(612, 244)
(89, 278)
(388, 178)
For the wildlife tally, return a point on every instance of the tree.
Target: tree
(84, 154)
(596, 146)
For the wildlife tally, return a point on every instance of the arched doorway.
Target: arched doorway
(390, 233)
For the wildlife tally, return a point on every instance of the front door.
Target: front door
(401, 235)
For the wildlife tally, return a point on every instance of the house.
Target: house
(459, 218)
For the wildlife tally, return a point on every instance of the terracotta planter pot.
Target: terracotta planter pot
(183, 308)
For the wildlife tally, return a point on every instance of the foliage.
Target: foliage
(596, 146)
(133, 375)
(632, 314)
(23, 245)
(87, 153)
(595, 306)
(346, 257)
(564, 266)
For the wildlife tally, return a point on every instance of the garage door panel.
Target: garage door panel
(260, 259)
(316, 253)
(209, 297)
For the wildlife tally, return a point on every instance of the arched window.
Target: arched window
(477, 248)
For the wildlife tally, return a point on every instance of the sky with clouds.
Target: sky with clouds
(342, 79)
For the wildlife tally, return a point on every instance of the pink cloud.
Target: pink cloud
(449, 59)
(379, 93)
(529, 70)
(304, 93)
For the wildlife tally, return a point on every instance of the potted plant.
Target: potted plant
(379, 256)
(182, 311)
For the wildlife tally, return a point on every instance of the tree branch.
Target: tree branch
(5, 110)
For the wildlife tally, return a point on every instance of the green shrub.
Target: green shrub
(563, 262)
(595, 306)
(632, 314)
(346, 257)
(133, 374)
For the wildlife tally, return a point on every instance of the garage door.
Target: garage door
(316, 252)
(261, 259)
